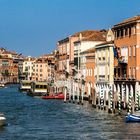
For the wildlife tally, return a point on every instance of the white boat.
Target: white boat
(2, 119)
(25, 85)
(2, 85)
(38, 89)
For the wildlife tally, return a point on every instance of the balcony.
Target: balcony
(123, 60)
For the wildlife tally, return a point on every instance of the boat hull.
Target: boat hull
(2, 121)
(59, 96)
(132, 118)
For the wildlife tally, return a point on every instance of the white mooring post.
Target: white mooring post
(73, 98)
(65, 94)
(124, 96)
(82, 94)
(99, 86)
(119, 98)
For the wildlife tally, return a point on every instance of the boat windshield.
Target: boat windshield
(41, 86)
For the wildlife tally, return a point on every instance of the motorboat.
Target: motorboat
(133, 117)
(38, 89)
(2, 119)
(54, 96)
(25, 85)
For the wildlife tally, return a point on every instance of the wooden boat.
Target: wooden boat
(38, 89)
(133, 117)
(2, 119)
(25, 85)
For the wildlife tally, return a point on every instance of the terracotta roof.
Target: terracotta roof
(92, 35)
(129, 20)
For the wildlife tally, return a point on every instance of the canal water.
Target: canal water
(36, 119)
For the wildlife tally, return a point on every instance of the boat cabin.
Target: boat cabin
(25, 85)
(39, 88)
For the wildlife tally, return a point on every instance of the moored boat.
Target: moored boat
(2, 84)
(54, 96)
(25, 85)
(2, 119)
(38, 89)
(133, 117)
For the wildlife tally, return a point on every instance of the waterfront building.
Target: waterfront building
(127, 66)
(8, 70)
(40, 70)
(104, 71)
(82, 64)
(50, 59)
(28, 67)
(64, 62)
(87, 70)
(9, 66)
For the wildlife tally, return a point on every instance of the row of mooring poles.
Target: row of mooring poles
(118, 97)
(74, 94)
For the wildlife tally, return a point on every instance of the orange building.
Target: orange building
(8, 70)
(127, 61)
(89, 56)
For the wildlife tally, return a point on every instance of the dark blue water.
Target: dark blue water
(36, 119)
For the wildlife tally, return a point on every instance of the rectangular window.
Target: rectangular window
(118, 33)
(134, 30)
(134, 50)
(114, 72)
(130, 51)
(119, 72)
(121, 32)
(126, 31)
(134, 72)
(129, 31)
(130, 72)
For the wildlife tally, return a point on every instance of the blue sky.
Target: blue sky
(33, 27)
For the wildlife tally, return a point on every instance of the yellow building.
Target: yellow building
(104, 71)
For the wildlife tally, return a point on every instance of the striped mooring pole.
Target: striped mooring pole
(111, 98)
(130, 101)
(119, 100)
(123, 94)
(137, 101)
(102, 97)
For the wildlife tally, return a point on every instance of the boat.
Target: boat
(2, 119)
(25, 85)
(2, 84)
(38, 89)
(54, 96)
(133, 117)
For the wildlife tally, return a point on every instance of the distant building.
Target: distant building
(28, 67)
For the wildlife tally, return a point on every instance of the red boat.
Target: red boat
(53, 96)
